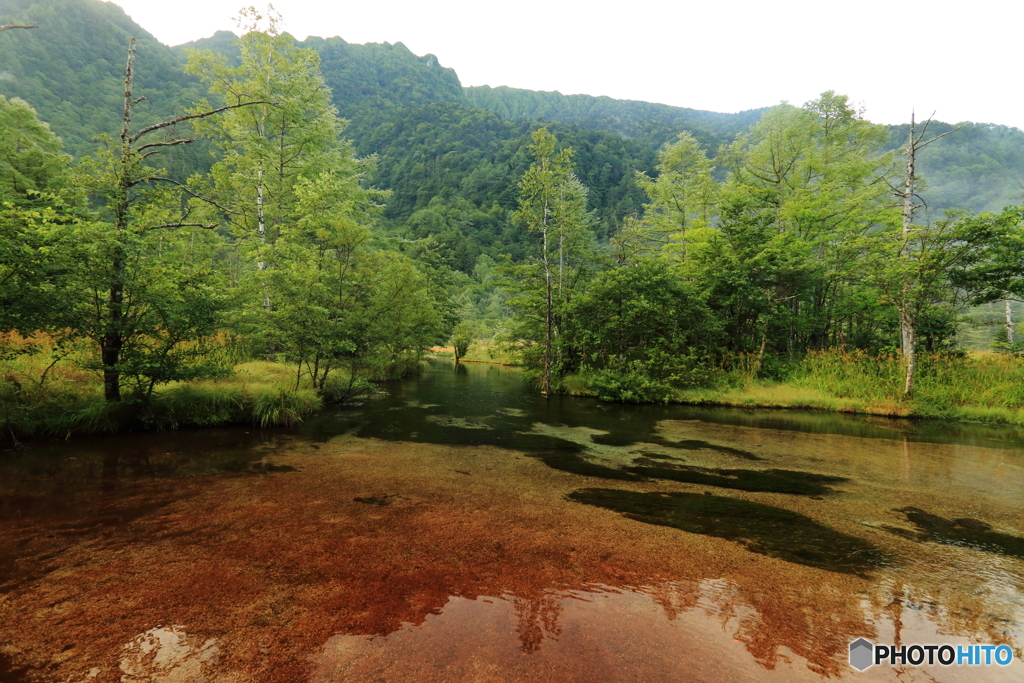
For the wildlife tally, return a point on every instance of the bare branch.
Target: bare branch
(204, 226)
(925, 144)
(189, 117)
(168, 143)
(924, 129)
(8, 27)
(197, 196)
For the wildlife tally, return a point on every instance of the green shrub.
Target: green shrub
(630, 382)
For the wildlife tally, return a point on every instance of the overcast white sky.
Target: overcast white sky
(962, 60)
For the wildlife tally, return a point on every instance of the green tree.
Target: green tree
(807, 185)
(32, 164)
(147, 286)
(340, 301)
(644, 332)
(926, 270)
(682, 197)
(462, 338)
(552, 206)
(266, 149)
(33, 174)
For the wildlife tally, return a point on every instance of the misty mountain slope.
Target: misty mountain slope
(979, 167)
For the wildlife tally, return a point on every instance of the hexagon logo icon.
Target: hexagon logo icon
(861, 654)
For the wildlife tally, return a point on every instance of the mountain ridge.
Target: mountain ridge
(70, 70)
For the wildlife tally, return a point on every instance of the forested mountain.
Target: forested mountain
(979, 168)
(71, 70)
(654, 124)
(450, 155)
(623, 249)
(369, 82)
(454, 171)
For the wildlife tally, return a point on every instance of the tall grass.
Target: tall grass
(483, 351)
(47, 389)
(258, 392)
(983, 387)
(942, 383)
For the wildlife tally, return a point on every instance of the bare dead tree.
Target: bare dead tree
(1008, 312)
(908, 194)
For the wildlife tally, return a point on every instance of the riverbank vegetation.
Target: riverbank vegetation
(55, 389)
(983, 387)
(131, 299)
(800, 277)
(782, 257)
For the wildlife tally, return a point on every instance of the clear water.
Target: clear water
(441, 532)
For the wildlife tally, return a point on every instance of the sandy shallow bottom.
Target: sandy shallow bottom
(393, 561)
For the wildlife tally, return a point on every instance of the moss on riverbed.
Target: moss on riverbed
(573, 462)
(772, 481)
(966, 533)
(764, 529)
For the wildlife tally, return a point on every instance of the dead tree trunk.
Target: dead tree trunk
(129, 173)
(907, 320)
(113, 335)
(908, 309)
(545, 387)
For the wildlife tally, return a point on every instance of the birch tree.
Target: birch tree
(266, 149)
(552, 206)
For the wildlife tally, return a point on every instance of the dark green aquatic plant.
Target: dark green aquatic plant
(964, 532)
(773, 481)
(625, 439)
(573, 462)
(763, 529)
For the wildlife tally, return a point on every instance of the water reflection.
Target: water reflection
(167, 654)
(424, 537)
(599, 634)
(707, 630)
(499, 391)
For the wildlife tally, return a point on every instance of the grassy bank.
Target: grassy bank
(979, 388)
(258, 393)
(49, 390)
(482, 351)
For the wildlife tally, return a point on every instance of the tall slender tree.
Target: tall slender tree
(907, 305)
(552, 206)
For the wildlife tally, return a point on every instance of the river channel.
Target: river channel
(459, 527)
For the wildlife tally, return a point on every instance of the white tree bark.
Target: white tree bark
(1009, 320)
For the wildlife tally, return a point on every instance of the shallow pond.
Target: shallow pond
(461, 528)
